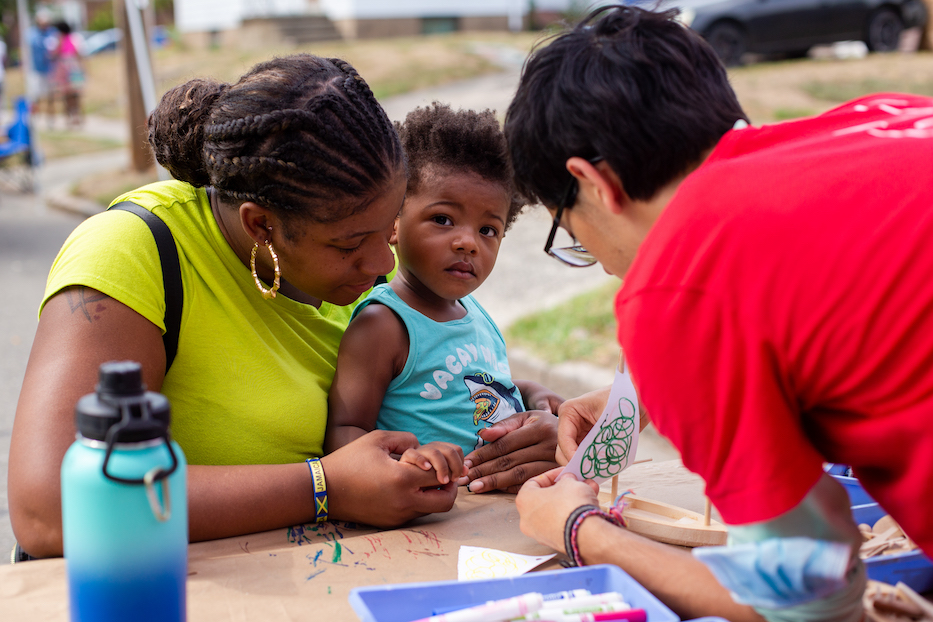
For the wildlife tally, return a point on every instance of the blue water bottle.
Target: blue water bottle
(124, 505)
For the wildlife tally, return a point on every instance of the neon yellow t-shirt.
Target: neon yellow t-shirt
(250, 381)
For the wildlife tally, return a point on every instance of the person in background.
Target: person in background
(422, 355)
(68, 74)
(775, 312)
(2, 73)
(43, 40)
(287, 185)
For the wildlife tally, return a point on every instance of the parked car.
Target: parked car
(734, 27)
(96, 42)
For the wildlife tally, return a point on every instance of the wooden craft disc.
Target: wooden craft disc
(884, 524)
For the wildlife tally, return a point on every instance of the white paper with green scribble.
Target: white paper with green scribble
(610, 445)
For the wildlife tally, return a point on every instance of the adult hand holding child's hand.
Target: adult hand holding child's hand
(445, 459)
(367, 485)
(517, 448)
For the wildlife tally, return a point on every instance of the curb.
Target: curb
(59, 198)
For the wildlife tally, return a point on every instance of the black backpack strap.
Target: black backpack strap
(171, 276)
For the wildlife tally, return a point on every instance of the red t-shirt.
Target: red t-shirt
(780, 312)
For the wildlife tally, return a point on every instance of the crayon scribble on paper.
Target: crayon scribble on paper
(480, 563)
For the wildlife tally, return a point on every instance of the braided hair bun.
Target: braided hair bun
(176, 129)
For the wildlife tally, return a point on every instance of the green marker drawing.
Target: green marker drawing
(607, 454)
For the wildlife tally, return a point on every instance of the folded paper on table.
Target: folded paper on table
(476, 562)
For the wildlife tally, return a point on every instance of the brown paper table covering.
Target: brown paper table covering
(306, 572)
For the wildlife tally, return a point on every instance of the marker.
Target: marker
(564, 596)
(585, 601)
(493, 611)
(546, 612)
(630, 615)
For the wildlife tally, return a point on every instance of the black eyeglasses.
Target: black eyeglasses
(575, 256)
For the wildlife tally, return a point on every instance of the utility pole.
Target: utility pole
(926, 37)
(25, 51)
(139, 81)
(25, 62)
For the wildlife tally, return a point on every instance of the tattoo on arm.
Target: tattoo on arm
(87, 301)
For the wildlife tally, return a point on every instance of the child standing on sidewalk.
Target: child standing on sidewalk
(421, 355)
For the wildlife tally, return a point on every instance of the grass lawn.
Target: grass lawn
(581, 329)
(63, 144)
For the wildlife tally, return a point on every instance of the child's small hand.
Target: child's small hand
(445, 458)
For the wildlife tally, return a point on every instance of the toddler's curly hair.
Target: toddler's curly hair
(438, 136)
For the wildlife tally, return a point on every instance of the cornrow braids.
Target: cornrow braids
(372, 116)
(437, 136)
(301, 135)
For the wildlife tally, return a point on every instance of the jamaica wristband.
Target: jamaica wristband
(320, 489)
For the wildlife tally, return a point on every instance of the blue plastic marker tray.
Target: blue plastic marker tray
(404, 602)
(836, 469)
(913, 568)
(857, 494)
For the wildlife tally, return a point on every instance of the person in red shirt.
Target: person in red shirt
(775, 312)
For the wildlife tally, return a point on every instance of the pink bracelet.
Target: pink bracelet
(576, 518)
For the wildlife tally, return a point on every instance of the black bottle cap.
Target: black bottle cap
(121, 378)
(120, 391)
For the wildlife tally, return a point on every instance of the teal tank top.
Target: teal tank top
(457, 379)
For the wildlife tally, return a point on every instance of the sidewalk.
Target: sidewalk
(93, 126)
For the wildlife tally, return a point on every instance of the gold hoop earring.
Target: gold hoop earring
(266, 293)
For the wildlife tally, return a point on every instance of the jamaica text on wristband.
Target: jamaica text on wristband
(320, 489)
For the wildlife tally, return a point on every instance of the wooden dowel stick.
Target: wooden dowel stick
(707, 512)
(907, 592)
(615, 488)
(643, 460)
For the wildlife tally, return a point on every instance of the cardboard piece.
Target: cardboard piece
(286, 574)
(307, 571)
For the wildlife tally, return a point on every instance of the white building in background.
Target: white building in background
(423, 16)
(353, 19)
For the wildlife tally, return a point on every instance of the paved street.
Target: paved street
(31, 233)
(30, 236)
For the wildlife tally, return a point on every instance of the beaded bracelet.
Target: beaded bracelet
(576, 518)
(320, 489)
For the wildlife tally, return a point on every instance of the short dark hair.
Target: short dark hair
(462, 140)
(633, 86)
(300, 135)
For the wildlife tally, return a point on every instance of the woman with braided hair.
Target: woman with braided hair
(286, 188)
